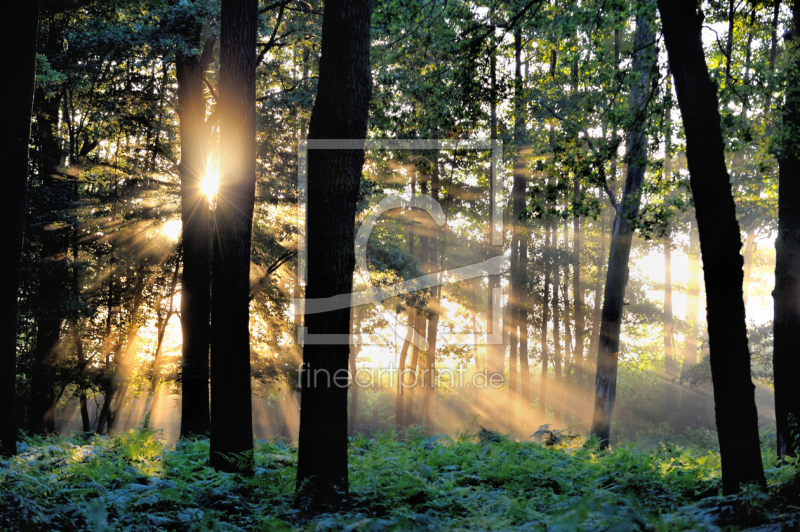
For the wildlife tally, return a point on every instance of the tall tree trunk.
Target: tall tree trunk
(670, 360)
(517, 284)
(18, 35)
(749, 255)
(690, 405)
(543, 331)
(556, 314)
(496, 352)
(622, 234)
(412, 407)
(399, 402)
(352, 418)
(41, 412)
(231, 405)
(577, 289)
(720, 245)
(340, 112)
(162, 321)
(195, 215)
(786, 362)
(429, 376)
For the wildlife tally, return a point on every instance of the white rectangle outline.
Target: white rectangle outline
(303, 145)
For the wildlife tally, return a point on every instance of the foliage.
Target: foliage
(475, 480)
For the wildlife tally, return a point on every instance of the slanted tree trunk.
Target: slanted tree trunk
(622, 234)
(340, 112)
(231, 405)
(720, 245)
(196, 238)
(785, 357)
(18, 33)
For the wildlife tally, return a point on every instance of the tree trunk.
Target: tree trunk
(495, 352)
(577, 289)
(622, 234)
(556, 314)
(231, 405)
(670, 360)
(340, 112)
(517, 284)
(196, 278)
(545, 317)
(352, 418)
(19, 32)
(749, 255)
(720, 245)
(399, 402)
(411, 406)
(41, 418)
(786, 362)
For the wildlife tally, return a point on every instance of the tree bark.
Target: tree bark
(231, 405)
(622, 233)
(340, 112)
(785, 358)
(720, 245)
(41, 411)
(196, 239)
(18, 36)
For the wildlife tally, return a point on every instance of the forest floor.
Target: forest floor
(477, 480)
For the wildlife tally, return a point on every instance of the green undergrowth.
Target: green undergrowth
(477, 480)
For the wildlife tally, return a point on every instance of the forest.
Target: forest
(371, 265)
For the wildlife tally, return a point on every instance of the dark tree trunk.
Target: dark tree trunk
(196, 278)
(41, 418)
(622, 234)
(18, 34)
(720, 245)
(340, 112)
(785, 357)
(231, 405)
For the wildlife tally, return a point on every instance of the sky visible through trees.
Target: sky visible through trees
(277, 239)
